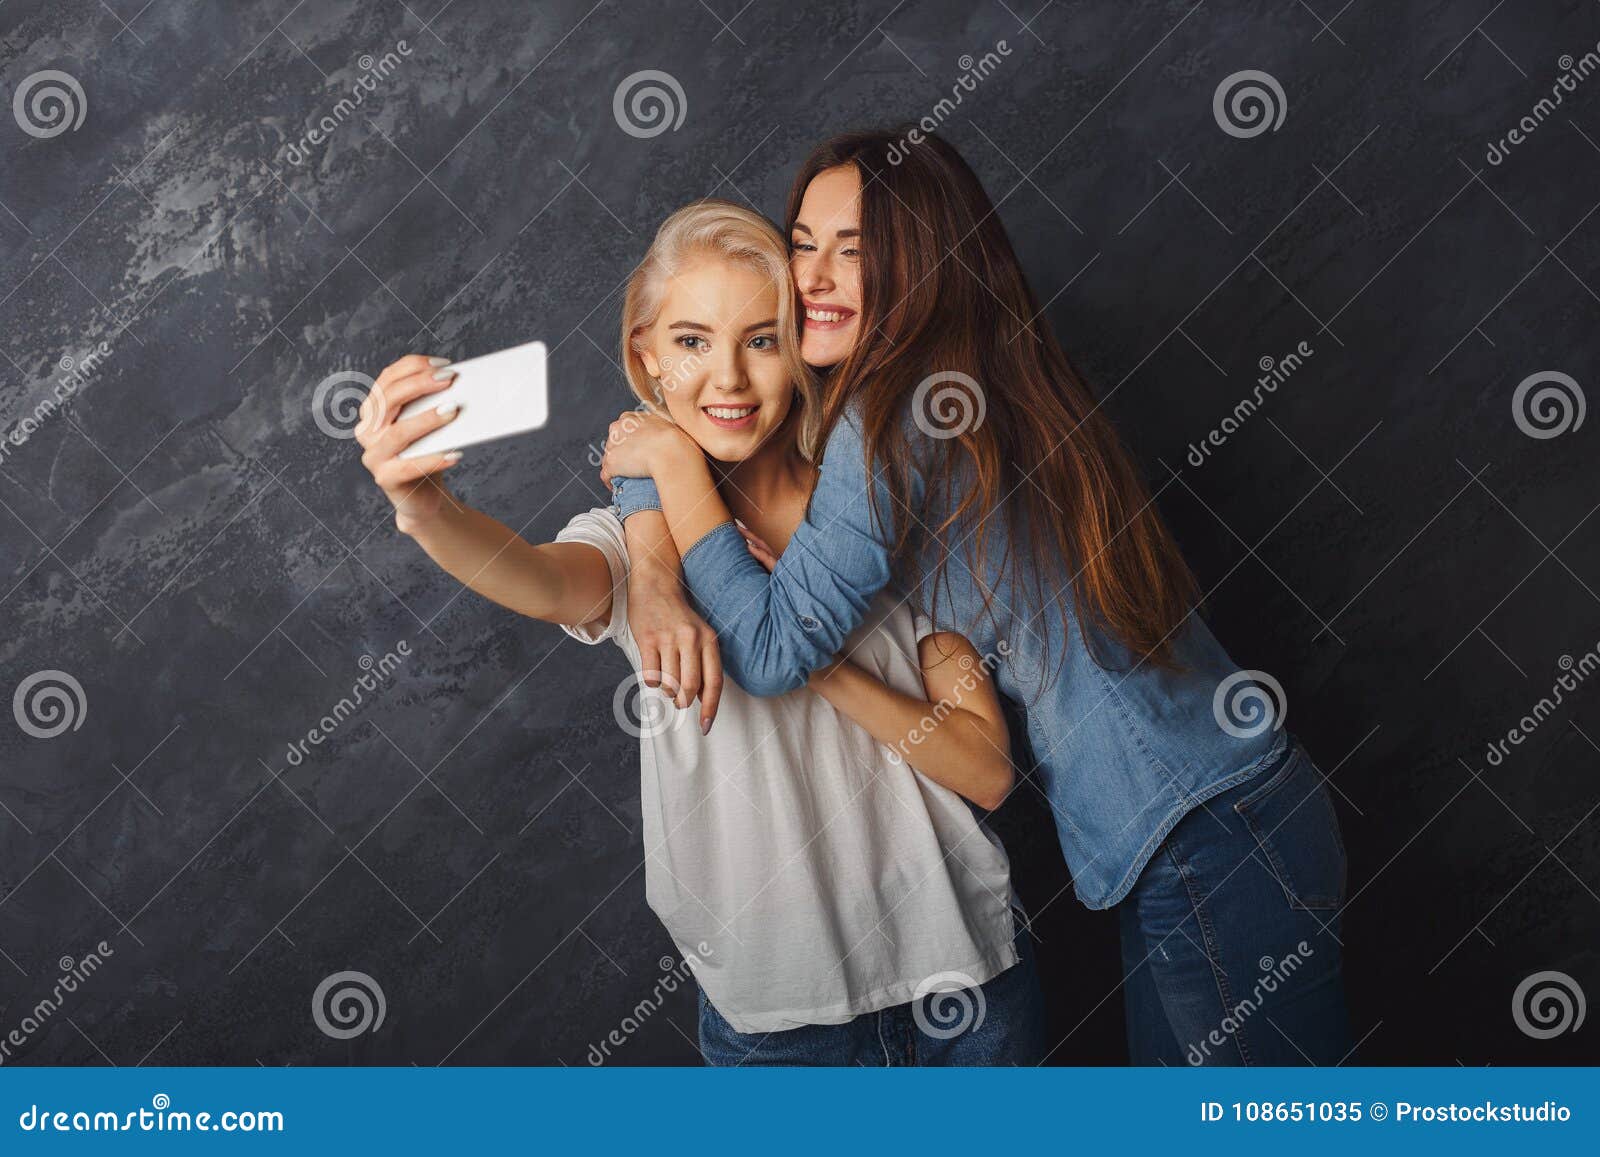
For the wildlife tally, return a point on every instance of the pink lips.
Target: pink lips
(733, 423)
(846, 316)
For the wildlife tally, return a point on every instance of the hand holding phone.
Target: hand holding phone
(499, 394)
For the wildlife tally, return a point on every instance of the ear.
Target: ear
(652, 364)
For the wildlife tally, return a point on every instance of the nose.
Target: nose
(727, 374)
(813, 275)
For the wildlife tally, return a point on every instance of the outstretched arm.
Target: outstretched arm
(774, 629)
(562, 582)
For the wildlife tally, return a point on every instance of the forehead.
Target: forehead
(719, 292)
(832, 200)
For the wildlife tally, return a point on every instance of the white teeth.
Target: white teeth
(823, 315)
(730, 411)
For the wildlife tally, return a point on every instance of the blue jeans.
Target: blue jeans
(1230, 938)
(1001, 1022)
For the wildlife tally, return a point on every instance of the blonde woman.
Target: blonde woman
(814, 856)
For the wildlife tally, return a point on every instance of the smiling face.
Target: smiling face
(825, 248)
(714, 351)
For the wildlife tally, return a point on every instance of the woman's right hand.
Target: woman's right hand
(411, 484)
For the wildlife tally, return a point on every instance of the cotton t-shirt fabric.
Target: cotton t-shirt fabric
(824, 876)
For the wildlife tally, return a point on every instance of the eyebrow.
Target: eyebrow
(801, 228)
(699, 328)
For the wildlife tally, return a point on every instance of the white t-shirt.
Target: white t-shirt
(824, 875)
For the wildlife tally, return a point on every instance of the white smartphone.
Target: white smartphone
(500, 394)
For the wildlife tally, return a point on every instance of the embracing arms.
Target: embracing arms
(774, 629)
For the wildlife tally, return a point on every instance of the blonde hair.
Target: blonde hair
(723, 229)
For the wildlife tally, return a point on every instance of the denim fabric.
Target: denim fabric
(1230, 938)
(997, 1023)
(1124, 753)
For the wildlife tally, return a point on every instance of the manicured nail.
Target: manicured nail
(705, 727)
(438, 361)
(443, 375)
(740, 524)
(445, 409)
(453, 456)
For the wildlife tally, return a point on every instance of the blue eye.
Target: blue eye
(688, 338)
(765, 341)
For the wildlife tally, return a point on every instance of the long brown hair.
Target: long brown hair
(944, 297)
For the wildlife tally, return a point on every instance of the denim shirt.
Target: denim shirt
(1123, 753)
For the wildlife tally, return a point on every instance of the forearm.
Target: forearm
(652, 553)
(955, 748)
(689, 500)
(559, 582)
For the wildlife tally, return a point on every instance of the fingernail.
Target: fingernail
(453, 456)
(705, 727)
(740, 524)
(445, 409)
(438, 361)
(443, 375)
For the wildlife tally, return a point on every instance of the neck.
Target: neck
(774, 473)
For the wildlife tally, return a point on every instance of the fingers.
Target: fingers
(649, 662)
(711, 683)
(407, 430)
(669, 670)
(386, 399)
(397, 472)
(757, 546)
(689, 672)
(410, 364)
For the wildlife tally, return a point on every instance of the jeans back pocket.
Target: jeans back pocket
(1292, 819)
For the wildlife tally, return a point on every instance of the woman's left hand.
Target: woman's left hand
(639, 444)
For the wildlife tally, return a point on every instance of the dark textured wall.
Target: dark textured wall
(182, 538)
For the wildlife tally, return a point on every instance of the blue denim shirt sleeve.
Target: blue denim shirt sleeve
(631, 495)
(776, 629)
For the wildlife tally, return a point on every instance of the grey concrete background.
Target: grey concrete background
(183, 540)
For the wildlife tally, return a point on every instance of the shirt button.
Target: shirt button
(809, 623)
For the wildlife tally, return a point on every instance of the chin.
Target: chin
(821, 353)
